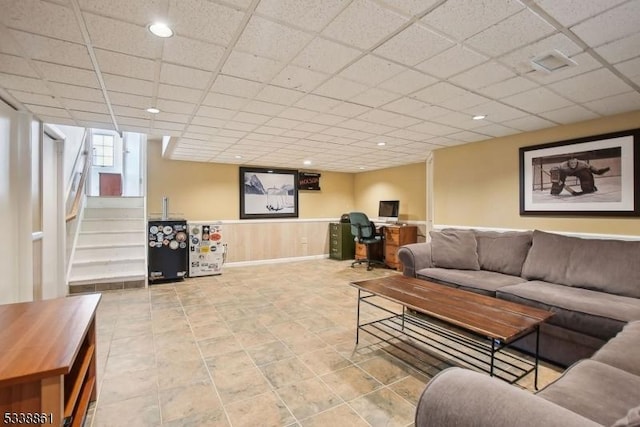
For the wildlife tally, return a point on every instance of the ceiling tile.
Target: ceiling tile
(435, 129)
(215, 112)
(567, 115)
(119, 36)
(610, 105)
(125, 65)
(184, 76)
(138, 113)
(224, 101)
(407, 82)
(507, 87)
(298, 114)
(208, 121)
(179, 93)
(64, 90)
(529, 123)
(458, 120)
(325, 56)
(414, 45)
(371, 70)
(591, 86)
(175, 106)
(131, 121)
(405, 105)
(128, 100)
(327, 119)
(470, 16)
(311, 14)
(349, 109)
(279, 122)
(204, 20)
(127, 85)
(483, 75)
(496, 130)
(230, 85)
(620, 50)
(36, 99)
(40, 17)
(537, 101)
(299, 78)
(48, 111)
(516, 31)
(256, 119)
(439, 93)
(616, 23)
(266, 108)
(452, 61)
(141, 12)
(271, 40)
(340, 88)
(53, 50)
(430, 112)
(374, 97)
(91, 117)
(93, 107)
(570, 12)
(363, 24)
(630, 68)
(278, 95)
(410, 7)
(317, 103)
(496, 111)
(170, 126)
(63, 74)
(251, 67)
(16, 65)
(192, 53)
(8, 43)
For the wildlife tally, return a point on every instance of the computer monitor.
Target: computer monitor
(388, 210)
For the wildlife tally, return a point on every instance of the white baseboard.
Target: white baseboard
(275, 261)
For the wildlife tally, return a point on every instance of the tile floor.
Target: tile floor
(269, 345)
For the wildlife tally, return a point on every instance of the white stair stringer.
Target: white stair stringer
(110, 252)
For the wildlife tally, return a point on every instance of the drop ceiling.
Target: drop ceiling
(278, 82)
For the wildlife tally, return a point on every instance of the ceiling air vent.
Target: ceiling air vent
(552, 61)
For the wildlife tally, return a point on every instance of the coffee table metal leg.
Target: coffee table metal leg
(358, 319)
(493, 354)
(403, 311)
(535, 378)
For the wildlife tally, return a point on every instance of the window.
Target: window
(103, 150)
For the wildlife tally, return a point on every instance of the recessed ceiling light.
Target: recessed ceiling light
(153, 110)
(160, 29)
(381, 144)
(307, 162)
(480, 117)
(238, 157)
(362, 168)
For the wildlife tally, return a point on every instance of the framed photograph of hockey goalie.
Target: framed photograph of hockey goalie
(595, 176)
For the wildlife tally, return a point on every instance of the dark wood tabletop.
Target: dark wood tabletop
(491, 317)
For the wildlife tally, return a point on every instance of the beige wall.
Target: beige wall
(404, 183)
(208, 191)
(478, 184)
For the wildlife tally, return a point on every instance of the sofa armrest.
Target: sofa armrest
(461, 397)
(415, 257)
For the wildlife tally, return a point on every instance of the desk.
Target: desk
(48, 360)
(394, 236)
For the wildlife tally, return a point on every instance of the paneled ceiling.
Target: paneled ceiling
(278, 82)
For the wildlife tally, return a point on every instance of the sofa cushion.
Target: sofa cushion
(454, 249)
(632, 419)
(480, 281)
(597, 314)
(623, 351)
(596, 391)
(503, 252)
(602, 265)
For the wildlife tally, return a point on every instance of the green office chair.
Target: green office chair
(364, 231)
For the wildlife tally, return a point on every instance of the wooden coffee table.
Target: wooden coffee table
(498, 321)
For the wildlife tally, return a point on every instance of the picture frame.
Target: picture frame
(268, 193)
(591, 176)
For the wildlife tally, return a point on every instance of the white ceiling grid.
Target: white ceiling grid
(276, 82)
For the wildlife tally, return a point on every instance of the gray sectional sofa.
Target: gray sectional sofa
(601, 391)
(592, 285)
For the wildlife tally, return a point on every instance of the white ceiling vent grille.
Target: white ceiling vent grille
(550, 62)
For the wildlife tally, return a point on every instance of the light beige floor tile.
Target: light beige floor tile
(240, 385)
(341, 415)
(266, 409)
(351, 382)
(385, 369)
(286, 371)
(217, 346)
(269, 352)
(308, 397)
(115, 388)
(384, 408)
(118, 364)
(186, 401)
(173, 373)
(230, 362)
(324, 360)
(411, 387)
(142, 411)
(215, 418)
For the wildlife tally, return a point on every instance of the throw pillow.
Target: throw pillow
(454, 249)
(631, 420)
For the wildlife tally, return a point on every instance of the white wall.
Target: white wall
(72, 145)
(8, 261)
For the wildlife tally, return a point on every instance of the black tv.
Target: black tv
(388, 211)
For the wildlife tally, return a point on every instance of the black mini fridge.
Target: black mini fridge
(168, 250)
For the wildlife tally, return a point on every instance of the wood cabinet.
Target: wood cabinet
(394, 237)
(341, 243)
(48, 360)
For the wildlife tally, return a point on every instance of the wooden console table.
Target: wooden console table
(48, 360)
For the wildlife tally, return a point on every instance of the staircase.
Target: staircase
(111, 249)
